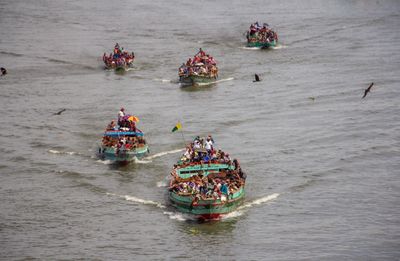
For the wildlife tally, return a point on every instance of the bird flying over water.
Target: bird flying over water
(257, 78)
(59, 113)
(367, 90)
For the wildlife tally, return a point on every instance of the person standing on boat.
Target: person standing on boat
(121, 115)
(209, 145)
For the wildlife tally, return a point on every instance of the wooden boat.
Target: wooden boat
(196, 79)
(260, 44)
(123, 146)
(119, 60)
(201, 70)
(261, 36)
(198, 188)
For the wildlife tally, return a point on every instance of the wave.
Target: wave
(138, 200)
(163, 80)
(209, 83)
(176, 216)
(138, 161)
(162, 154)
(62, 152)
(279, 46)
(105, 162)
(259, 201)
(161, 184)
(249, 48)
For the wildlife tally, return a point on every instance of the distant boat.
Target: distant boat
(123, 144)
(261, 36)
(119, 60)
(202, 69)
(122, 154)
(207, 190)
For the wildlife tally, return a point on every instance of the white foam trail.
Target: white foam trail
(175, 215)
(142, 161)
(222, 80)
(162, 154)
(162, 80)
(161, 184)
(62, 152)
(138, 200)
(105, 162)
(232, 215)
(259, 201)
(249, 48)
(279, 46)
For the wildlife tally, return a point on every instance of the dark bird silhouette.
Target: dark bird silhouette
(59, 113)
(367, 90)
(3, 71)
(257, 78)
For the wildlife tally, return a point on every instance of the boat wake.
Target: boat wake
(105, 162)
(178, 216)
(163, 80)
(162, 154)
(279, 46)
(143, 161)
(222, 80)
(249, 48)
(161, 184)
(62, 152)
(138, 200)
(259, 201)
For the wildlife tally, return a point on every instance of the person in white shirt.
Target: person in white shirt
(209, 144)
(121, 115)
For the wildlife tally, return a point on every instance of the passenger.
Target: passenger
(111, 126)
(121, 115)
(209, 144)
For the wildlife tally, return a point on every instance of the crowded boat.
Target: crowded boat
(206, 181)
(202, 68)
(261, 36)
(119, 58)
(122, 140)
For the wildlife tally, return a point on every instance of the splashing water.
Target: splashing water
(259, 201)
(105, 162)
(209, 83)
(138, 200)
(161, 184)
(162, 154)
(62, 152)
(176, 216)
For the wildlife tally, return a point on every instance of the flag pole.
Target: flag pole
(183, 137)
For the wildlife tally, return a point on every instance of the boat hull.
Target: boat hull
(108, 153)
(196, 80)
(118, 67)
(259, 44)
(208, 208)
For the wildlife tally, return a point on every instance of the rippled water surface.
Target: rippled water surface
(322, 163)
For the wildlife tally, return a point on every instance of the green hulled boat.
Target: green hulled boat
(207, 190)
(261, 36)
(201, 70)
(196, 79)
(259, 44)
(122, 155)
(124, 142)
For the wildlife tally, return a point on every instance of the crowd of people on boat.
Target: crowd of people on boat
(130, 137)
(118, 58)
(219, 185)
(202, 150)
(202, 64)
(258, 33)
